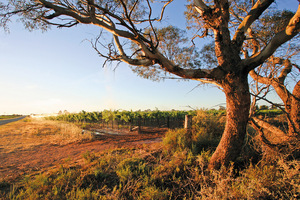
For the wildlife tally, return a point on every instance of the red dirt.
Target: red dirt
(41, 158)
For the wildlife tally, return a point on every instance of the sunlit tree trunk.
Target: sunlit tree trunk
(294, 127)
(237, 107)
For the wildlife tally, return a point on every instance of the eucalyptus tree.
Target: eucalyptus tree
(280, 72)
(153, 51)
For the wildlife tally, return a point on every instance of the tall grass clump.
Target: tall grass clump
(207, 130)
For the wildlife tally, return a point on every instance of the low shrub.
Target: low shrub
(131, 168)
(177, 140)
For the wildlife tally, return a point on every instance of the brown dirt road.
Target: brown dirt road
(42, 157)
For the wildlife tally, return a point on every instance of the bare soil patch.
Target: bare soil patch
(34, 147)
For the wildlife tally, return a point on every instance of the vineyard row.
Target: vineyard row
(147, 118)
(155, 118)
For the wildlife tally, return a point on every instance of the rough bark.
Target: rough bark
(237, 108)
(294, 127)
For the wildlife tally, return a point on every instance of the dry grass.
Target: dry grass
(28, 133)
(172, 170)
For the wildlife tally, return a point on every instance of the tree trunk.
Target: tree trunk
(294, 127)
(237, 108)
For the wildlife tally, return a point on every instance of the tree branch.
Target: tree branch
(286, 70)
(201, 7)
(211, 82)
(133, 7)
(152, 28)
(259, 78)
(273, 129)
(291, 30)
(123, 57)
(163, 10)
(259, 7)
(262, 136)
(87, 19)
(155, 19)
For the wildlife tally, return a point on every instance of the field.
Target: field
(30, 144)
(43, 159)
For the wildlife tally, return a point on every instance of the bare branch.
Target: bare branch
(274, 130)
(254, 42)
(27, 9)
(134, 30)
(155, 19)
(133, 7)
(260, 78)
(87, 19)
(283, 110)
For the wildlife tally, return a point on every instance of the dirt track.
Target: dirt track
(43, 157)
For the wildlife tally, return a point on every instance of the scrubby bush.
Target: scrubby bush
(207, 130)
(205, 134)
(209, 123)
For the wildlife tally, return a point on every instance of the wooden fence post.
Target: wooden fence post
(188, 122)
(188, 127)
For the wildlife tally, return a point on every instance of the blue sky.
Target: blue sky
(59, 70)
